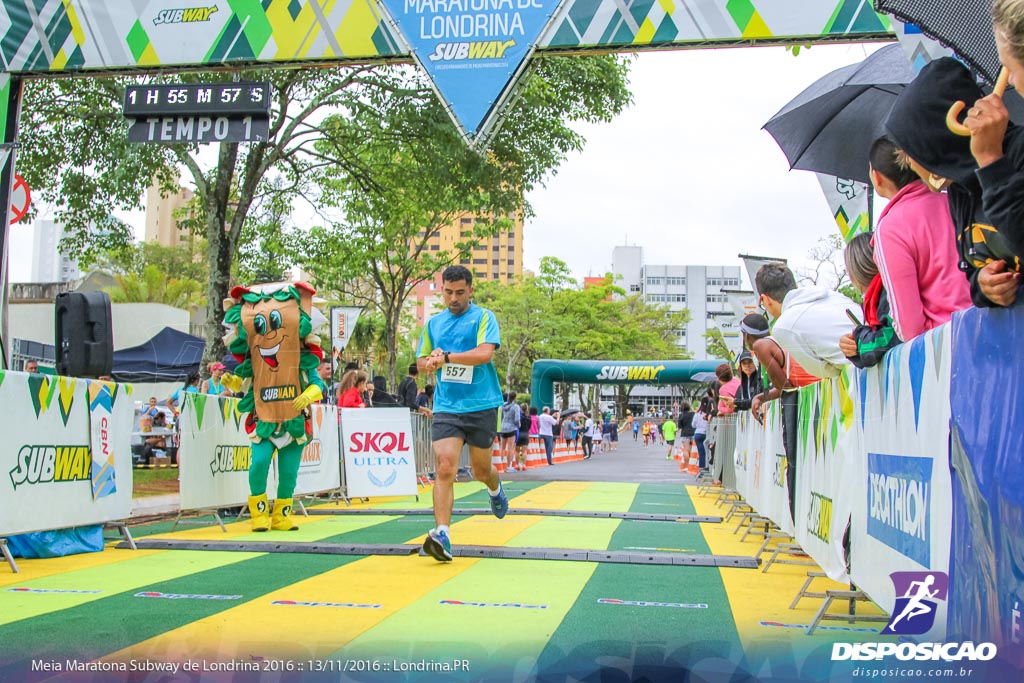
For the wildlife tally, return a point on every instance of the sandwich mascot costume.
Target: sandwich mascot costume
(270, 332)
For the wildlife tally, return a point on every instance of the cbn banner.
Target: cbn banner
(825, 463)
(987, 564)
(215, 454)
(902, 514)
(47, 453)
(378, 448)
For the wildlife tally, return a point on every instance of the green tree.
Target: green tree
(716, 345)
(154, 286)
(418, 176)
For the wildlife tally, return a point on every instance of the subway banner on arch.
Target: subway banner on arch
(47, 461)
(474, 51)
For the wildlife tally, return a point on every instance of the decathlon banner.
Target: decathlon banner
(826, 457)
(472, 50)
(47, 459)
(987, 564)
(902, 515)
(760, 461)
(214, 454)
(378, 448)
(320, 469)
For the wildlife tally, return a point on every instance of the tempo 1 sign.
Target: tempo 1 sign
(172, 129)
(198, 112)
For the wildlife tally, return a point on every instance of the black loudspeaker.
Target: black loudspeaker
(84, 335)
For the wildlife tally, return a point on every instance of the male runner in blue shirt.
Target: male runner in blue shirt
(458, 345)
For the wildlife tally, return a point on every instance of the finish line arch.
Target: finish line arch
(546, 372)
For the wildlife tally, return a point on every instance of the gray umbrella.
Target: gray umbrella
(964, 26)
(829, 127)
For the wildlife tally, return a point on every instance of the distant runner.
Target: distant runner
(458, 344)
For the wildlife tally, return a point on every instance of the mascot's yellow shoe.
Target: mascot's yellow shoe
(259, 506)
(282, 521)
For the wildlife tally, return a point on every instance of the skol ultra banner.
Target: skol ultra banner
(47, 454)
(987, 564)
(902, 512)
(378, 448)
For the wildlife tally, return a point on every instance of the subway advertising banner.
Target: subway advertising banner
(215, 454)
(826, 459)
(60, 467)
(378, 450)
(987, 563)
(903, 518)
(472, 50)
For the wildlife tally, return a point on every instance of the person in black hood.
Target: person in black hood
(750, 381)
(990, 243)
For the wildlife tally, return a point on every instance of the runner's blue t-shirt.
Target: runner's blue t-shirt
(456, 334)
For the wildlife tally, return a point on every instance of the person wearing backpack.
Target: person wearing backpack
(510, 417)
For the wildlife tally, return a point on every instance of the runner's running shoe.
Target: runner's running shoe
(499, 503)
(438, 545)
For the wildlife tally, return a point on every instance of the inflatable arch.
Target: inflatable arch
(546, 372)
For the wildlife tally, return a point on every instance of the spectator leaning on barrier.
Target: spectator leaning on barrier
(808, 320)
(750, 382)
(727, 392)
(915, 247)
(870, 340)
(425, 400)
(986, 209)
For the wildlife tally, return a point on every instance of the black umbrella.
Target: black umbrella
(829, 127)
(964, 26)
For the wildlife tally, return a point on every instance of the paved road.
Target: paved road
(630, 463)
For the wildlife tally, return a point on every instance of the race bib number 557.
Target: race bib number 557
(457, 374)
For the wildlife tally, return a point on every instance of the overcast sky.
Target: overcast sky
(686, 172)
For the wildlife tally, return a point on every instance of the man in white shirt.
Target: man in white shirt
(808, 320)
(588, 438)
(545, 429)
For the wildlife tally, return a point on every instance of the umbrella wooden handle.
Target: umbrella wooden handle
(953, 115)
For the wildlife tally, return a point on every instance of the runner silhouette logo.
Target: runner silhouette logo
(918, 595)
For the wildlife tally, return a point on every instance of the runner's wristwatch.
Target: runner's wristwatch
(446, 359)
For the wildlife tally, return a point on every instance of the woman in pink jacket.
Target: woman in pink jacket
(915, 247)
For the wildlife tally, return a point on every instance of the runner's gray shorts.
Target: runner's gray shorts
(477, 429)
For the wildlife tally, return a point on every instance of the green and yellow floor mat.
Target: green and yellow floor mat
(300, 616)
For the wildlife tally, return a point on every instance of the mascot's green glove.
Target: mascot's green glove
(312, 394)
